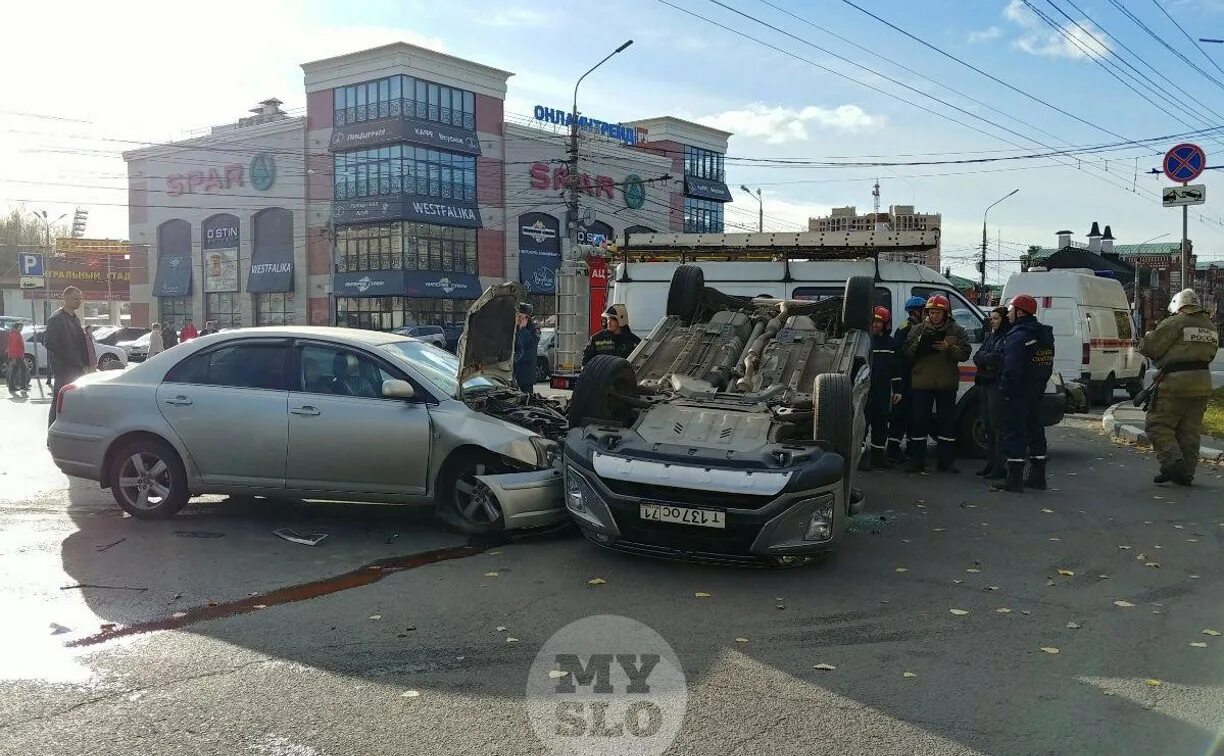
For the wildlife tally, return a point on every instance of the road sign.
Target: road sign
(1180, 196)
(33, 282)
(31, 264)
(1185, 162)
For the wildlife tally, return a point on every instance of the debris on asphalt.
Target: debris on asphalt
(198, 534)
(1124, 604)
(901, 569)
(597, 581)
(491, 574)
(58, 629)
(909, 674)
(1049, 649)
(1213, 633)
(958, 612)
(701, 594)
(109, 545)
(411, 694)
(973, 570)
(375, 616)
(1025, 612)
(1066, 573)
(1152, 682)
(741, 640)
(1073, 626)
(1198, 644)
(501, 628)
(511, 640)
(261, 606)
(1047, 510)
(557, 674)
(306, 539)
(1152, 564)
(992, 587)
(823, 666)
(1125, 548)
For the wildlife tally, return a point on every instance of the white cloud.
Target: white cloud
(777, 125)
(515, 18)
(1076, 41)
(985, 35)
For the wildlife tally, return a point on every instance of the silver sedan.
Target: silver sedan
(312, 413)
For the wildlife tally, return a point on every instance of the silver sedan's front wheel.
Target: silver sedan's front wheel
(464, 502)
(147, 479)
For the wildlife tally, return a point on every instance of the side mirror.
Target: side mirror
(393, 389)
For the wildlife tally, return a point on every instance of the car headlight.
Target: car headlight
(547, 451)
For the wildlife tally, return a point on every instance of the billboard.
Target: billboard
(100, 277)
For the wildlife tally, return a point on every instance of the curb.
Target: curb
(1128, 432)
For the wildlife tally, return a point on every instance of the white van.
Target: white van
(642, 287)
(1094, 338)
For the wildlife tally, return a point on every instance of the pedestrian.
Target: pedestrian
(1182, 347)
(989, 361)
(614, 338)
(91, 346)
(934, 348)
(885, 389)
(169, 336)
(902, 411)
(1028, 362)
(156, 342)
(526, 344)
(189, 331)
(19, 372)
(210, 326)
(67, 354)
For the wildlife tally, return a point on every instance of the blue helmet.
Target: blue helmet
(915, 303)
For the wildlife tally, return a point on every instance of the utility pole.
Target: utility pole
(760, 206)
(1185, 250)
(983, 296)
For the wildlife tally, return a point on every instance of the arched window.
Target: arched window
(172, 282)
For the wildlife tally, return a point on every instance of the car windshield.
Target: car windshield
(439, 367)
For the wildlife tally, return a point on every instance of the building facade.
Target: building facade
(413, 194)
(898, 218)
(217, 225)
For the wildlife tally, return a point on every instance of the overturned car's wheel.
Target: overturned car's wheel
(833, 422)
(596, 398)
(463, 502)
(684, 294)
(858, 303)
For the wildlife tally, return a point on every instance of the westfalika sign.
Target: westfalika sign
(407, 207)
(630, 135)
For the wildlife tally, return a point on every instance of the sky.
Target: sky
(802, 83)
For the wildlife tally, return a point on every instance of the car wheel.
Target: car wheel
(833, 423)
(109, 362)
(29, 361)
(684, 293)
(858, 303)
(148, 480)
(542, 369)
(1107, 391)
(595, 399)
(463, 502)
(972, 432)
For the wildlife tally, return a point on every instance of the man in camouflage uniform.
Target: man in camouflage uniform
(1182, 347)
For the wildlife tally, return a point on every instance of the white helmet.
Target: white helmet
(1184, 298)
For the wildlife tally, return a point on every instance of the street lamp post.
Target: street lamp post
(983, 297)
(42, 216)
(760, 206)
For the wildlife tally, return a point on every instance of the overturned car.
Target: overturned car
(731, 434)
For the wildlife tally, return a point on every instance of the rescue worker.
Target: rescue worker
(615, 337)
(1182, 347)
(1028, 361)
(526, 344)
(885, 389)
(989, 361)
(934, 348)
(902, 411)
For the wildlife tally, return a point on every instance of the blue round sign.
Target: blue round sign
(1185, 162)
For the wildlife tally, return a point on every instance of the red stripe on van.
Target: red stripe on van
(968, 373)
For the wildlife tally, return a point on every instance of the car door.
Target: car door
(344, 436)
(228, 405)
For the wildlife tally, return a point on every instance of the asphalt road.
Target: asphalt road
(414, 662)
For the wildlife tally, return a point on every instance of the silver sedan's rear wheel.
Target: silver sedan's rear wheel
(147, 479)
(463, 502)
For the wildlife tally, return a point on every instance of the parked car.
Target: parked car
(545, 353)
(672, 454)
(323, 413)
(109, 357)
(7, 321)
(453, 331)
(430, 334)
(137, 349)
(116, 335)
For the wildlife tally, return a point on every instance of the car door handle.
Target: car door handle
(179, 401)
(307, 410)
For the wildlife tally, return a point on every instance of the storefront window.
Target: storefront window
(274, 309)
(404, 168)
(702, 216)
(408, 246)
(705, 164)
(173, 310)
(224, 310)
(404, 96)
(389, 313)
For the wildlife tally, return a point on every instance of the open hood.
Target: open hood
(486, 347)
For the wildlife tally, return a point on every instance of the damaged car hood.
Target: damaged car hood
(486, 347)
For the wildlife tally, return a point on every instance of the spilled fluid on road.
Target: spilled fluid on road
(362, 576)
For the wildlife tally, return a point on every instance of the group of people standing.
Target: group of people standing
(916, 374)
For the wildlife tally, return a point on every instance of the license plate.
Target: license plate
(706, 518)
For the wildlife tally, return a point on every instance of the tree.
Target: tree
(17, 229)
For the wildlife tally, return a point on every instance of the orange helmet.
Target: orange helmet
(938, 302)
(1024, 302)
(882, 313)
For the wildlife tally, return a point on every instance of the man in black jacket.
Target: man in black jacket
(989, 361)
(67, 355)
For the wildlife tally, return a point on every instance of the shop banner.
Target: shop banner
(220, 232)
(375, 283)
(426, 284)
(272, 253)
(706, 189)
(173, 275)
(539, 252)
(220, 270)
(410, 207)
(440, 136)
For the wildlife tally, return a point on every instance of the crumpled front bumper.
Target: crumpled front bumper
(528, 499)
